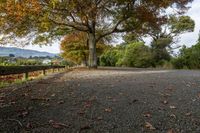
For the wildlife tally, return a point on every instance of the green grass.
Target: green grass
(3, 84)
(19, 81)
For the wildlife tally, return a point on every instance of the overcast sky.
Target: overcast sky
(187, 39)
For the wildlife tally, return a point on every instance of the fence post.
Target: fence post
(53, 70)
(25, 76)
(44, 72)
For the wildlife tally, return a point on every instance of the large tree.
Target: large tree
(74, 48)
(97, 18)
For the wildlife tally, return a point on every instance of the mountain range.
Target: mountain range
(18, 52)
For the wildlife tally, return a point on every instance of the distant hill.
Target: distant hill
(5, 51)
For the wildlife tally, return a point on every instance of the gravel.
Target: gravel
(112, 100)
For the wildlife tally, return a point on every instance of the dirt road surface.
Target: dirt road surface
(104, 101)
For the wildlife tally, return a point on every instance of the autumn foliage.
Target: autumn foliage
(96, 18)
(74, 48)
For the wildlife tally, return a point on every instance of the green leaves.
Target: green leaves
(188, 58)
(181, 24)
(137, 55)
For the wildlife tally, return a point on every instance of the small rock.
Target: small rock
(165, 102)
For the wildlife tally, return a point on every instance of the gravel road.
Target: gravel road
(105, 101)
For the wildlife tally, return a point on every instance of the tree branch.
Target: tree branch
(70, 24)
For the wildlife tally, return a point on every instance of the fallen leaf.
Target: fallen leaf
(149, 126)
(60, 102)
(99, 118)
(12, 103)
(108, 97)
(24, 95)
(133, 101)
(171, 131)
(81, 112)
(170, 88)
(173, 116)
(114, 100)
(166, 95)
(108, 110)
(30, 108)
(188, 114)
(188, 85)
(53, 95)
(57, 124)
(85, 127)
(25, 113)
(172, 107)
(120, 93)
(29, 125)
(87, 104)
(148, 115)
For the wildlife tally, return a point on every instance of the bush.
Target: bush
(137, 55)
(188, 58)
(111, 57)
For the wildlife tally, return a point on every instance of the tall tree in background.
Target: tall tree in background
(97, 18)
(167, 35)
(174, 26)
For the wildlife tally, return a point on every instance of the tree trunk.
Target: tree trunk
(92, 51)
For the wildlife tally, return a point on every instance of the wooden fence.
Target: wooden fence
(25, 70)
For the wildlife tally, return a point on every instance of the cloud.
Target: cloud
(190, 39)
(54, 48)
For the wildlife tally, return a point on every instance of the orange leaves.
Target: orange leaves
(75, 37)
(18, 10)
(149, 126)
(74, 47)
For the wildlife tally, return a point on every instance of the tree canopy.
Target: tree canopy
(98, 18)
